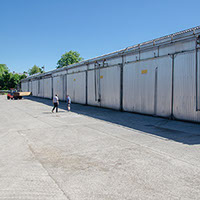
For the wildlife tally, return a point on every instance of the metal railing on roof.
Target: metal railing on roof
(122, 51)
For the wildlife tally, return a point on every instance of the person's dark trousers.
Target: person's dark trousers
(55, 106)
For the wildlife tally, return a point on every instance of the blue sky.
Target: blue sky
(40, 31)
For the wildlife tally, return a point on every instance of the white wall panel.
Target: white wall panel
(92, 89)
(149, 54)
(131, 57)
(48, 88)
(177, 47)
(58, 86)
(114, 61)
(110, 87)
(143, 92)
(77, 69)
(91, 66)
(138, 88)
(76, 87)
(29, 86)
(185, 87)
(198, 80)
(24, 86)
(41, 88)
(71, 86)
(164, 86)
(35, 87)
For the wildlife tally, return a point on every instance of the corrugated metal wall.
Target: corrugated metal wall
(30, 86)
(76, 87)
(198, 80)
(58, 86)
(161, 81)
(147, 86)
(41, 88)
(184, 86)
(92, 89)
(24, 86)
(48, 88)
(35, 87)
(110, 87)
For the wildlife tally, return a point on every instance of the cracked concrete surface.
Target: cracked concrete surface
(94, 154)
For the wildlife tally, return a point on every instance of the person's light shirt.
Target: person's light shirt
(55, 99)
(68, 100)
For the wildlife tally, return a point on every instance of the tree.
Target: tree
(69, 58)
(3, 68)
(34, 70)
(9, 80)
(6, 76)
(22, 76)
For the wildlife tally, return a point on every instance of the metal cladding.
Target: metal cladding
(160, 77)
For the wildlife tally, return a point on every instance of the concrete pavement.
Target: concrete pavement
(94, 154)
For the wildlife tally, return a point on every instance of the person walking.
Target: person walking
(68, 102)
(55, 103)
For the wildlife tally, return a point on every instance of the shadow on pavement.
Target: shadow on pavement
(183, 132)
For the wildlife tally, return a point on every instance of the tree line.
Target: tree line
(11, 80)
(8, 79)
(66, 59)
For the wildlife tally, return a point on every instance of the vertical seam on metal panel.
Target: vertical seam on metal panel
(95, 83)
(52, 87)
(155, 91)
(38, 87)
(196, 77)
(74, 88)
(66, 81)
(97, 77)
(86, 92)
(99, 86)
(172, 95)
(121, 83)
(63, 79)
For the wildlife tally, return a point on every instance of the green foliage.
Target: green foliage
(3, 68)
(69, 58)
(34, 70)
(9, 80)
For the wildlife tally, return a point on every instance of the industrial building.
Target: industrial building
(160, 77)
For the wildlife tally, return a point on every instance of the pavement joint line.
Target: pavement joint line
(33, 153)
(5, 133)
(33, 116)
(110, 123)
(153, 150)
(69, 154)
(57, 127)
(131, 129)
(139, 160)
(80, 153)
(139, 132)
(157, 125)
(41, 117)
(90, 117)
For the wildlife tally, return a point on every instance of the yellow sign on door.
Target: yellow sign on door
(144, 71)
(101, 76)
